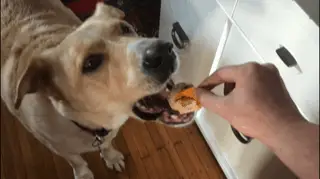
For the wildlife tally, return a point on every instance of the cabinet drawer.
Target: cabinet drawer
(190, 14)
(270, 24)
(203, 22)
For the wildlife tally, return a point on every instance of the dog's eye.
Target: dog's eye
(92, 63)
(125, 29)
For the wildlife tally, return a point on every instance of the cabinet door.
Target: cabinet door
(243, 161)
(270, 24)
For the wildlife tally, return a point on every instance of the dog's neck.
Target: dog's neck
(98, 132)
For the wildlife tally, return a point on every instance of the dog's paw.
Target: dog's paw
(114, 159)
(83, 173)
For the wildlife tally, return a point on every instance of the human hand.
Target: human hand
(259, 103)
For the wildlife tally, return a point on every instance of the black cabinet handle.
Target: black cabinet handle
(287, 58)
(242, 138)
(179, 37)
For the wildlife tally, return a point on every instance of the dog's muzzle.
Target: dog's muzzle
(158, 59)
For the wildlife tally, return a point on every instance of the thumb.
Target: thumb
(208, 99)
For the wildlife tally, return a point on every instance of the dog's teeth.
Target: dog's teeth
(138, 104)
(174, 116)
(167, 90)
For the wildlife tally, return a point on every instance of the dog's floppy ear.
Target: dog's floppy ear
(30, 79)
(107, 11)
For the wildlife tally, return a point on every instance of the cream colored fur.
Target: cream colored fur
(43, 46)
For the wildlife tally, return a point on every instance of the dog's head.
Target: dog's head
(99, 71)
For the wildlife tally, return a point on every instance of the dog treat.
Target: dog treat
(185, 101)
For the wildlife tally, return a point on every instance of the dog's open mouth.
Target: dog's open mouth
(156, 106)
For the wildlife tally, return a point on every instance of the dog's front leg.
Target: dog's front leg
(112, 157)
(80, 167)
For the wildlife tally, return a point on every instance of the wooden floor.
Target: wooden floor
(151, 151)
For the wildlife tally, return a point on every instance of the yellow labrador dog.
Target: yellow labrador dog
(74, 84)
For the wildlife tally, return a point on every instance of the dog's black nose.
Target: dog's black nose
(159, 60)
(157, 55)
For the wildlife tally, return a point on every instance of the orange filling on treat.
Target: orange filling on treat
(187, 100)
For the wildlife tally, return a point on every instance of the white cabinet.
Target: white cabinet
(267, 24)
(271, 23)
(195, 19)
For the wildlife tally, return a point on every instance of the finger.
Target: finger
(274, 69)
(209, 100)
(222, 75)
(270, 66)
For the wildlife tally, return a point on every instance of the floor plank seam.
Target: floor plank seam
(154, 143)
